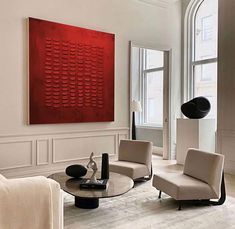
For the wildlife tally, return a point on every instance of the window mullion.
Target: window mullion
(206, 61)
(153, 70)
(145, 98)
(142, 85)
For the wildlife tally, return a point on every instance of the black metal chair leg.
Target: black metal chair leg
(160, 193)
(214, 203)
(222, 194)
(151, 174)
(145, 178)
(179, 208)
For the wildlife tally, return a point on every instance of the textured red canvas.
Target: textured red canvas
(71, 74)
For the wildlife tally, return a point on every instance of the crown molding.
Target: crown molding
(156, 3)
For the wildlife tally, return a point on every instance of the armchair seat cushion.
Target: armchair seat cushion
(183, 187)
(130, 169)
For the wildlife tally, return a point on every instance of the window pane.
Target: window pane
(206, 85)
(154, 98)
(206, 23)
(154, 59)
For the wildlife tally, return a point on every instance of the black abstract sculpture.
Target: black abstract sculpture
(196, 108)
(76, 171)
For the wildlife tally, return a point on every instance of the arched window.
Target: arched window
(202, 51)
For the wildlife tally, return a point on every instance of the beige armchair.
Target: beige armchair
(32, 202)
(134, 159)
(202, 179)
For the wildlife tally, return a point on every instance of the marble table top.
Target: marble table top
(118, 184)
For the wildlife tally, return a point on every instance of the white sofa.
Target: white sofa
(33, 202)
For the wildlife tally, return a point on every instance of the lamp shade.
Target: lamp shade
(136, 106)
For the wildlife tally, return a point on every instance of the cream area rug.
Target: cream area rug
(140, 208)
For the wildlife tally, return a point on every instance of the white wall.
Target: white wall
(40, 149)
(174, 35)
(226, 84)
(173, 45)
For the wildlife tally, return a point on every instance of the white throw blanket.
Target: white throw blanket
(25, 203)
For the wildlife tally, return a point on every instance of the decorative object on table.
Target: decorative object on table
(135, 107)
(71, 74)
(105, 166)
(89, 198)
(93, 182)
(99, 184)
(92, 164)
(76, 171)
(196, 108)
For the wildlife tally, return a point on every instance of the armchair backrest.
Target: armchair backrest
(136, 151)
(205, 166)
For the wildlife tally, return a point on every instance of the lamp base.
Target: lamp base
(133, 126)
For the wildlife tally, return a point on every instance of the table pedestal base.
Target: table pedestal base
(86, 203)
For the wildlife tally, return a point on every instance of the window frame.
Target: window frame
(189, 61)
(143, 84)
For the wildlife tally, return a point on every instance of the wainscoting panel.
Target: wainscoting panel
(75, 148)
(122, 136)
(16, 154)
(42, 151)
(226, 146)
(47, 153)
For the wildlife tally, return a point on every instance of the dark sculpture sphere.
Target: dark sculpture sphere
(76, 171)
(196, 108)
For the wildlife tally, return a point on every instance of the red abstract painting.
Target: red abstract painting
(71, 74)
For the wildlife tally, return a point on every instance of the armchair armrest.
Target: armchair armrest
(29, 203)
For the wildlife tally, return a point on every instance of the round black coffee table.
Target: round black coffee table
(89, 198)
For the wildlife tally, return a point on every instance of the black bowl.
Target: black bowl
(76, 171)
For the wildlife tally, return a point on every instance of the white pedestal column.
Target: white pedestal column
(194, 133)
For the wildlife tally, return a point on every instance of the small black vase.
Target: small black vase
(105, 166)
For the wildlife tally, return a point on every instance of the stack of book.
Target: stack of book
(100, 184)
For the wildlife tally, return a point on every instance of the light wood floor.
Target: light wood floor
(171, 166)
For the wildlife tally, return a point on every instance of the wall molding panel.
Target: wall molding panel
(16, 154)
(42, 151)
(30, 155)
(76, 151)
(226, 146)
(54, 133)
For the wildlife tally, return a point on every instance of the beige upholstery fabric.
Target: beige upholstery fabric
(33, 202)
(205, 166)
(57, 205)
(134, 159)
(182, 187)
(201, 178)
(130, 169)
